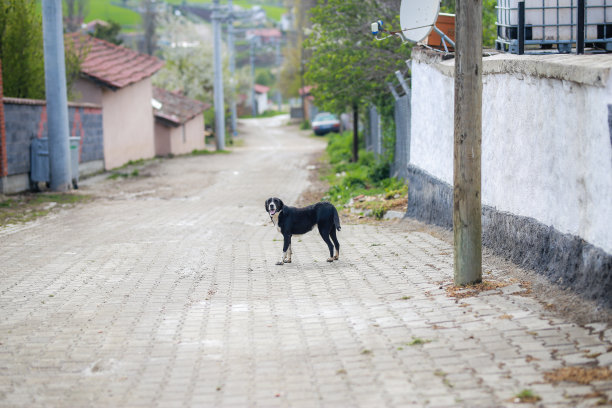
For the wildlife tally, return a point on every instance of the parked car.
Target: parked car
(325, 122)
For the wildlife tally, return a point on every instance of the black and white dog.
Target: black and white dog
(295, 221)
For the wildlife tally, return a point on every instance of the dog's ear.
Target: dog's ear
(266, 203)
(280, 204)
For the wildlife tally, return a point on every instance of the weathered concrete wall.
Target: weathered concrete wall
(546, 160)
(26, 119)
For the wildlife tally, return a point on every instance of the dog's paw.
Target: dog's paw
(335, 257)
(279, 263)
(287, 260)
(330, 259)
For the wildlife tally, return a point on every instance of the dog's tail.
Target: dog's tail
(336, 219)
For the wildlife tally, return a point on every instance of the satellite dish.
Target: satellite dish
(417, 18)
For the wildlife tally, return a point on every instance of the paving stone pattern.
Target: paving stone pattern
(164, 293)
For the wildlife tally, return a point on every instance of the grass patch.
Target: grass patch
(368, 177)
(527, 396)
(28, 207)
(235, 142)
(266, 114)
(106, 10)
(119, 174)
(416, 341)
(196, 152)
(138, 162)
(273, 12)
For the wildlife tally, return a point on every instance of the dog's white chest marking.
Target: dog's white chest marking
(275, 221)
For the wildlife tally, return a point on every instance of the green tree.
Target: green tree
(348, 67)
(21, 49)
(489, 18)
(291, 77)
(188, 59)
(109, 32)
(264, 77)
(74, 13)
(74, 55)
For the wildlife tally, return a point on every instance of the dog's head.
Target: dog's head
(274, 205)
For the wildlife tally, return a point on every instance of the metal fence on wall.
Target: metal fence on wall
(373, 135)
(399, 167)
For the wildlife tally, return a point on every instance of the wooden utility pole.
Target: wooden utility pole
(467, 224)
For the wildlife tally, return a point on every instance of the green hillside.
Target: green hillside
(104, 10)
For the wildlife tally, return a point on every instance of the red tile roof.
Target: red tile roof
(262, 89)
(176, 108)
(113, 65)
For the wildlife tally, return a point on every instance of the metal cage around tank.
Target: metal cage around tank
(554, 23)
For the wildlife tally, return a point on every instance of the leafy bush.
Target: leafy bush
(380, 171)
(368, 176)
(354, 181)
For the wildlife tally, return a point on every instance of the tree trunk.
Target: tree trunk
(355, 133)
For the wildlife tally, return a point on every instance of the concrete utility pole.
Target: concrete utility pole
(218, 81)
(252, 60)
(232, 64)
(57, 100)
(278, 67)
(467, 224)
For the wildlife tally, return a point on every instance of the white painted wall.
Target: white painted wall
(128, 124)
(127, 118)
(546, 148)
(262, 102)
(184, 139)
(431, 137)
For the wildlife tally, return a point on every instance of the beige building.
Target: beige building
(179, 123)
(119, 79)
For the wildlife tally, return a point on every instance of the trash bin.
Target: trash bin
(74, 160)
(39, 162)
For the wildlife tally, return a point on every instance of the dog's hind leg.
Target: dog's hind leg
(325, 235)
(332, 234)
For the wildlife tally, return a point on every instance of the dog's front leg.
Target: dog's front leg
(286, 250)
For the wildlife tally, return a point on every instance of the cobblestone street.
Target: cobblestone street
(163, 292)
